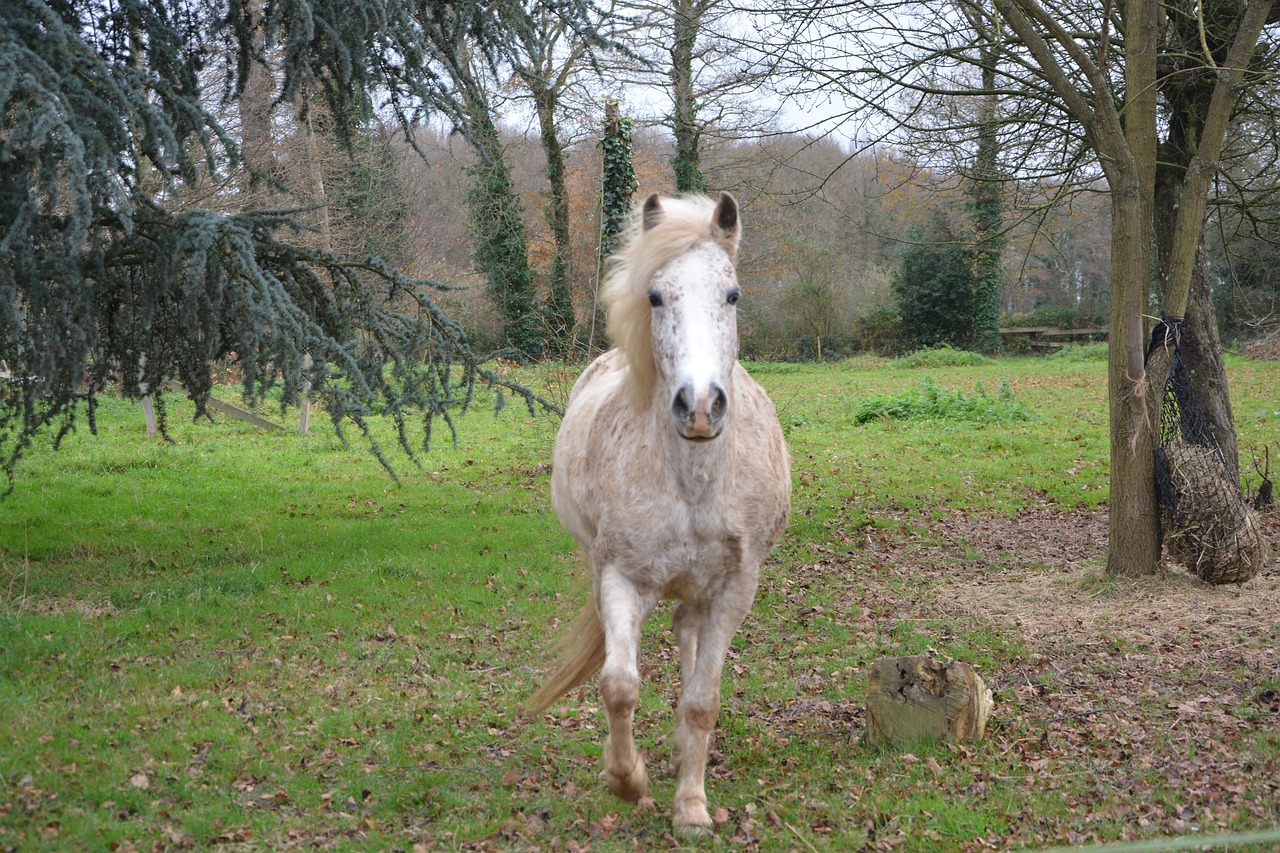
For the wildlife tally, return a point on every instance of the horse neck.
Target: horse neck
(699, 468)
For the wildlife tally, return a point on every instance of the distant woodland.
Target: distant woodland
(825, 232)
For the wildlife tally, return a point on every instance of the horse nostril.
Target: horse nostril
(682, 405)
(719, 402)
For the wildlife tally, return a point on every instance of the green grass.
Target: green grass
(257, 639)
(1080, 353)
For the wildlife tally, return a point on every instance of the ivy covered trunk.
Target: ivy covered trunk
(618, 181)
(560, 318)
(617, 186)
(686, 163)
(501, 252)
(988, 215)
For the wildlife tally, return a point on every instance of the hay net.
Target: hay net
(1208, 525)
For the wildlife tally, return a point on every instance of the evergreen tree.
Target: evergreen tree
(502, 250)
(936, 289)
(117, 262)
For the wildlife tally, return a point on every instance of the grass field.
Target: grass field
(255, 640)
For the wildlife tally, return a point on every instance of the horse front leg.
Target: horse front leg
(622, 611)
(704, 635)
(686, 621)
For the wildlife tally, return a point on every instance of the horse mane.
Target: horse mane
(649, 244)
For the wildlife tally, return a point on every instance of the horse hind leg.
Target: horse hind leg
(621, 614)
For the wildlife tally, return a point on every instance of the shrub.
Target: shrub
(930, 402)
(1264, 349)
(942, 356)
(935, 289)
(878, 331)
(761, 368)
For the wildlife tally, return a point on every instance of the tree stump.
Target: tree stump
(914, 699)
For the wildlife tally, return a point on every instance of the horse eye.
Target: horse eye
(732, 299)
(655, 299)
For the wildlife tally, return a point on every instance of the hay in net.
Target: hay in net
(1209, 529)
(1208, 525)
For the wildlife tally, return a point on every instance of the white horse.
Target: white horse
(671, 472)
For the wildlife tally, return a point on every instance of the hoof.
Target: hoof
(630, 787)
(692, 821)
(693, 829)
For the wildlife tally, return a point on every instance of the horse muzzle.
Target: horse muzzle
(700, 416)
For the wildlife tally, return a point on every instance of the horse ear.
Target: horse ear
(652, 213)
(724, 222)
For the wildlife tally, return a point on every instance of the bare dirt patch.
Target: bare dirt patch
(87, 608)
(1052, 586)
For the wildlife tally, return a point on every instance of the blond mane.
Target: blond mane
(685, 222)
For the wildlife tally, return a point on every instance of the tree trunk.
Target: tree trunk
(1204, 363)
(1134, 547)
(1202, 343)
(1201, 104)
(687, 19)
(256, 144)
(988, 210)
(918, 699)
(560, 315)
(1213, 52)
(1126, 151)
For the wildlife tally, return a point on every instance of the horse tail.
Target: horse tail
(581, 657)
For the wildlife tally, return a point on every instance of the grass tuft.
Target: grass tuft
(930, 402)
(943, 356)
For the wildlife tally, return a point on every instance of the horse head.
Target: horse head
(693, 301)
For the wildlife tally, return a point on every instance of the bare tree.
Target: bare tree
(1206, 58)
(1081, 87)
(694, 56)
(550, 55)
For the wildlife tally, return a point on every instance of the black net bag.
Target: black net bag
(1208, 525)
